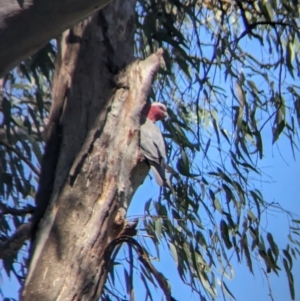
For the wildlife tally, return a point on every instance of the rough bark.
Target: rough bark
(27, 25)
(99, 92)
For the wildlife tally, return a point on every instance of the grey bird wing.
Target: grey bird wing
(154, 149)
(152, 142)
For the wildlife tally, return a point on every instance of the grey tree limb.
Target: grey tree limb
(27, 25)
(16, 241)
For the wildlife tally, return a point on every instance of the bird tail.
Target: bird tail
(160, 175)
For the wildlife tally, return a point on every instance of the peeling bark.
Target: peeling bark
(99, 92)
(27, 25)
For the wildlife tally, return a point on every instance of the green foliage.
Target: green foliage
(224, 96)
(25, 103)
(223, 99)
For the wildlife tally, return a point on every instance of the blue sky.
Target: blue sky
(282, 187)
(280, 184)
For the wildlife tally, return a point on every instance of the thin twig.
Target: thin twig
(269, 285)
(15, 212)
(144, 259)
(21, 156)
(13, 244)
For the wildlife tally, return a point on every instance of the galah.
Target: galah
(153, 144)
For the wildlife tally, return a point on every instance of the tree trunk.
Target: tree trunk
(27, 25)
(98, 94)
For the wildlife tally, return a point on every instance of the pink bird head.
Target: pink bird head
(157, 111)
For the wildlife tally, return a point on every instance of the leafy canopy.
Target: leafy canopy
(230, 81)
